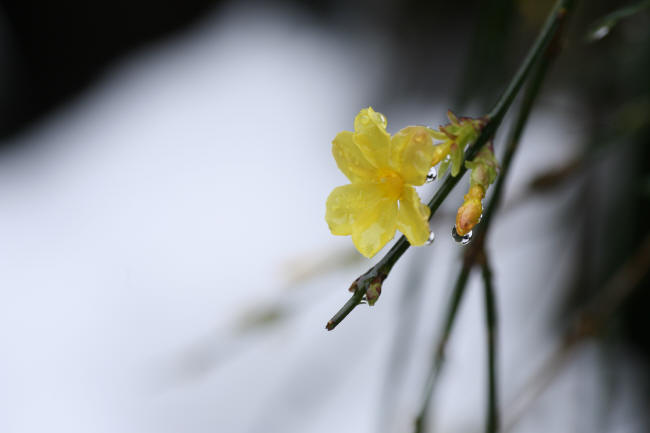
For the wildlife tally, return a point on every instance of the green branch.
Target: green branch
(439, 353)
(372, 280)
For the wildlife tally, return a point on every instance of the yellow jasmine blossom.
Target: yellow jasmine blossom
(382, 170)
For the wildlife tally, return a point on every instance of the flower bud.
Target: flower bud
(468, 216)
(475, 192)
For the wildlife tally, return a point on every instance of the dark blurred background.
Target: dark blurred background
(51, 51)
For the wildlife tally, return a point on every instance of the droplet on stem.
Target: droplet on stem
(431, 238)
(461, 240)
(599, 33)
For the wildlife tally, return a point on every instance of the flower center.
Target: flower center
(392, 183)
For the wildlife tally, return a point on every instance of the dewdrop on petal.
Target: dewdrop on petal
(432, 175)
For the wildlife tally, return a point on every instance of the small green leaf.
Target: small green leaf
(456, 160)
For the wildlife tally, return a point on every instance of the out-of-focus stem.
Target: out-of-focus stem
(439, 353)
(491, 324)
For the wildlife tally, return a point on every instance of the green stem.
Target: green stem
(380, 271)
(513, 140)
(492, 420)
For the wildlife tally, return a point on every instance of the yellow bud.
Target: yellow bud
(468, 215)
(475, 192)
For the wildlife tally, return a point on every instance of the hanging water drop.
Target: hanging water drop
(431, 238)
(461, 240)
(432, 175)
(599, 33)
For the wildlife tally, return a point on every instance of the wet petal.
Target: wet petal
(371, 137)
(349, 158)
(412, 153)
(437, 134)
(350, 205)
(364, 211)
(376, 229)
(413, 217)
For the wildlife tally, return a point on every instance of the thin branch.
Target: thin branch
(439, 353)
(374, 277)
(491, 324)
(401, 346)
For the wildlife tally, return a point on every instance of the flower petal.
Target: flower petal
(371, 137)
(349, 205)
(412, 153)
(376, 229)
(413, 217)
(349, 158)
(364, 211)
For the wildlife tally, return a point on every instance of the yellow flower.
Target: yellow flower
(470, 212)
(382, 171)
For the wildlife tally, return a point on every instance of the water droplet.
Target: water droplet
(432, 175)
(365, 120)
(461, 240)
(599, 33)
(432, 237)
(382, 118)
